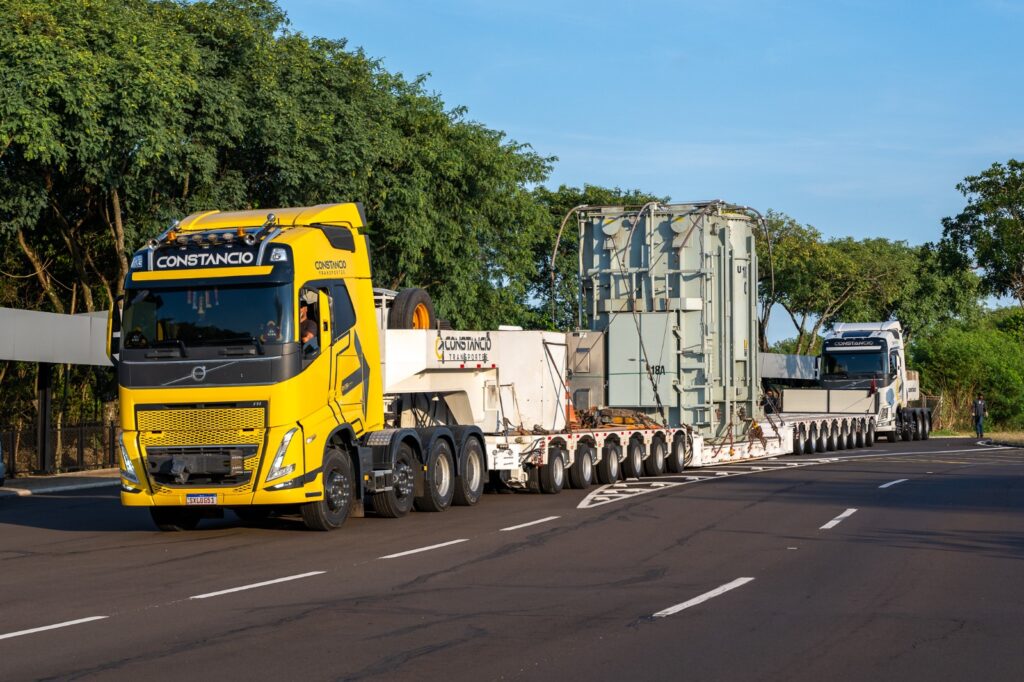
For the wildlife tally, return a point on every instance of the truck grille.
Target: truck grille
(219, 445)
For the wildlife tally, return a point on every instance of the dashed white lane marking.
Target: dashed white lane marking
(44, 628)
(532, 523)
(423, 549)
(892, 483)
(739, 582)
(839, 519)
(255, 585)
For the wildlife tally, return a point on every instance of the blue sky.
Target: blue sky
(856, 117)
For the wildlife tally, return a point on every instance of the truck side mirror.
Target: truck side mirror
(114, 330)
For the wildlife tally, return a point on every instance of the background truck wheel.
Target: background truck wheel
(905, 426)
(412, 309)
(654, 465)
(858, 440)
(841, 438)
(397, 502)
(331, 511)
(438, 479)
(869, 434)
(633, 465)
(469, 485)
(821, 445)
(926, 421)
(608, 467)
(916, 425)
(581, 473)
(676, 461)
(798, 441)
(833, 436)
(850, 436)
(552, 475)
(171, 519)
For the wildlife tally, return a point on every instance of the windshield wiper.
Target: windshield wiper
(170, 345)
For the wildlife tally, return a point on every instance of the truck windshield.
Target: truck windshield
(206, 316)
(852, 364)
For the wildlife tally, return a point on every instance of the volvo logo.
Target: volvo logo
(198, 373)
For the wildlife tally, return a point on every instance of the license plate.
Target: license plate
(201, 499)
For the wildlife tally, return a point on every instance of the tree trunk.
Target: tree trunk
(41, 274)
(122, 257)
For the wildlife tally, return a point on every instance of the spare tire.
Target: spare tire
(412, 309)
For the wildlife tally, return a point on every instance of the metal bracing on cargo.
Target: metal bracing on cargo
(671, 289)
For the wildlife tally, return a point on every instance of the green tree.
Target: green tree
(989, 233)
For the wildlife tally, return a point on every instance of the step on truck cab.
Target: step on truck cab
(248, 360)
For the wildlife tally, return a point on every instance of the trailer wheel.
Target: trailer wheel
(398, 501)
(860, 437)
(918, 426)
(469, 485)
(438, 478)
(412, 309)
(822, 445)
(926, 422)
(608, 467)
(330, 512)
(798, 440)
(654, 465)
(841, 438)
(174, 519)
(633, 465)
(812, 444)
(832, 437)
(676, 461)
(869, 435)
(850, 436)
(581, 473)
(552, 475)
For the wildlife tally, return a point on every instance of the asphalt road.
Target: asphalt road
(900, 562)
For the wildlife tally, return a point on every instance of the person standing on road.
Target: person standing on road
(979, 410)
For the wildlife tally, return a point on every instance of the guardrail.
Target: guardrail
(74, 448)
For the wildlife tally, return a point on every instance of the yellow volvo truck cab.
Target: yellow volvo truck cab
(249, 376)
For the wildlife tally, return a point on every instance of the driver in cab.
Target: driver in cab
(307, 326)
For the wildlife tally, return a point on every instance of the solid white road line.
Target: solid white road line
(423, 549)
(532, 523)
(255, 585)
(739, 582)
(892, 483)
(52, 627)
(837, 520)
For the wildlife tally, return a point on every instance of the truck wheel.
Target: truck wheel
(330, 512)
(608, 467)
(412, 309)
(676, 461)
(811, 446)
(851, 437)
(173, 519)
(552, 475)
(633, 465)
(833, 436)
(905, 427)
(581, 473)
(869, 435)
(654, 465)
(397, 502)
(841, 438)
(822, 444)
(798, 440)
(469, 485)
(926, 423)
(438, 479)
(859, 439)
(917, 427)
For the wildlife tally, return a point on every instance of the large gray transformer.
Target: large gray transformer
(668, 302)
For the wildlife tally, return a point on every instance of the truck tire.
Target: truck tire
(905, 426)
(331, 511)
(633, 465)
(927, 424)
(822, 443)
(174, 519)
(581, 473)
(916, 426)
(841, 438)
(608, 467)
(551, 476)
(798, 440)
(412, 309)
(654, 465)
(869, 434)
(438, 478)
(858, 441)
(851, 437)
(676, 461)
(469, 485)
(832, 437)
(398, 501)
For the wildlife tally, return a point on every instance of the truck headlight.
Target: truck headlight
(127, 468)
(277, 470)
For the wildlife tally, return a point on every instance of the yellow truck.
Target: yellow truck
(248, 356)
